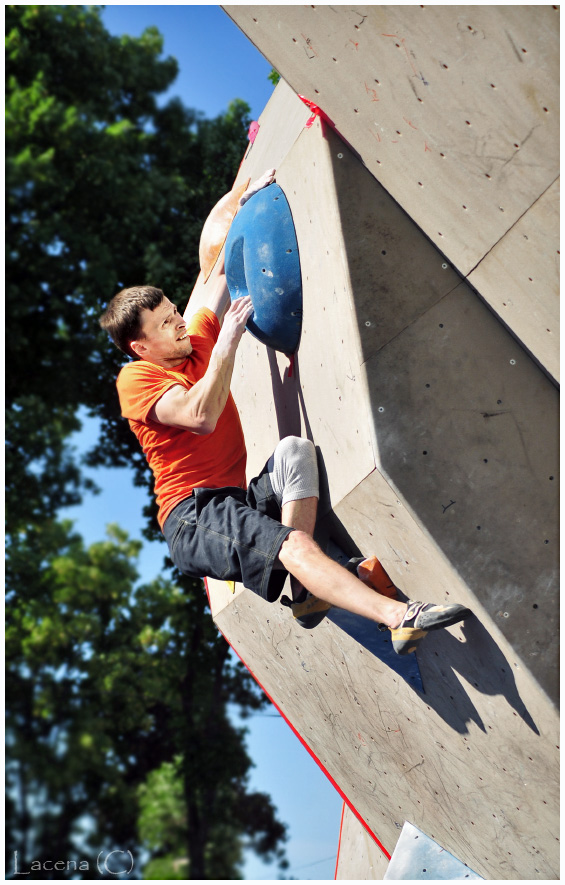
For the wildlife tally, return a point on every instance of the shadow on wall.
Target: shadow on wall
(292, 417)
(457, 406)
(288, 398)
(442, 655)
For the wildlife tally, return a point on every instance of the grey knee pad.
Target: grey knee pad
(293, 470)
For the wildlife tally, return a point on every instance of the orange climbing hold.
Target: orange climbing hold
(371, 572)
(216, 229)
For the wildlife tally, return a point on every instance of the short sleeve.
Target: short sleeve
(205, 323)
(140, 385)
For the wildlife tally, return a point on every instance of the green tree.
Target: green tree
(117, 700)
(105, 189)
(109, 682)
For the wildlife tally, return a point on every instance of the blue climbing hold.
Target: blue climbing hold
(262, 261)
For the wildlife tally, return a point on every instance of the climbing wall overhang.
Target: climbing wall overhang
(397, 381)
(455, 110)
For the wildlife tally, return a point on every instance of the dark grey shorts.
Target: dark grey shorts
(230, 534)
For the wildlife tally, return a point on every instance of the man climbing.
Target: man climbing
(176, 395)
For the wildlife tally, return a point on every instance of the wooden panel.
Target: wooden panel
(468, 432)
(463, 129)
(455, 109)
(360, 858)
(444, 378)
(221, 594)
(520, 279)
(355, 298)
(280, 124)
(278, 402)
(324, 394)
(396, 274)
(473, 762)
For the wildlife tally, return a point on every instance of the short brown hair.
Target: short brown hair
(121, 318)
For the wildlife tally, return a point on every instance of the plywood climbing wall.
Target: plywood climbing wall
(397, 382)
(455, 110)
(358, 857)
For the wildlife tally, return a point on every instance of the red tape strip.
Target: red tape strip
(339, 843)
(305, 745)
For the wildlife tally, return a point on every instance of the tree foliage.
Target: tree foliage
(105, 188)
(117, 691)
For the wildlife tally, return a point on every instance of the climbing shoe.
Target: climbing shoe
(307, 610)
(420, 618)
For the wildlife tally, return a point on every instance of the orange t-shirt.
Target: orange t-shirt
(182, 460)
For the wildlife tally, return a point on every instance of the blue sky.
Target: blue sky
(217, 64)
